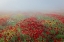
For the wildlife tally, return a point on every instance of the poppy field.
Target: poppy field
(39, 28)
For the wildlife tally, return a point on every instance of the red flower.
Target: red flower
(59, 17)
(32, 27)
(1, 35)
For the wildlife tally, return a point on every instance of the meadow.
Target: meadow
(32, 28)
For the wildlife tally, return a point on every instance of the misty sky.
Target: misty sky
(31, 5)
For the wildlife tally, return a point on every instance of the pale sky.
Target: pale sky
(31, 5)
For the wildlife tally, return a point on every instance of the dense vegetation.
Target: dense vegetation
(40, 28)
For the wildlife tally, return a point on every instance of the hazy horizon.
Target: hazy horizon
(32, 5)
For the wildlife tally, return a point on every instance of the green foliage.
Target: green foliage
(1, 39)
(60, 36)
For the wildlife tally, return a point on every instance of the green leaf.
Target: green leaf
(1, 40)
(60, 36)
